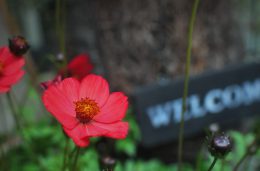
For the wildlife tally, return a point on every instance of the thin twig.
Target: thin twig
(186, 82)
(14, 112)
(61, 30)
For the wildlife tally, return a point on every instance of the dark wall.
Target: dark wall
(140, 42)
(135, 42)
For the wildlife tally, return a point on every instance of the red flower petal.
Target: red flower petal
(4, 89)
(78, 135)
(95, 88)
(114, 110)
(114, 130)
(70, 88)
(81, 142)
(11, 79)
(14, 67)
(121, 130)
(60, 107)
(6, 56)
(80, 66)
(94, 131)
(78, 131)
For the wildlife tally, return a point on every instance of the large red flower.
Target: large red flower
(79, 67)
(10, 69)
(87, 109)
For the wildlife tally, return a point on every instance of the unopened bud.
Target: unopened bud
(214, 127)
(107, 163)
(18, 45)
(219, 145)
(60, 57)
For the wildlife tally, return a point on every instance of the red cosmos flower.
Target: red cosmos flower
(10, 69)
(79, 67)
(87, 109)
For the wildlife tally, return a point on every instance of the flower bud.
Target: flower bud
(219, 145)
(107, 163)
(18, 45)
(214, 127)
(60, 57)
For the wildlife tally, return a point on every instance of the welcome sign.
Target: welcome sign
(218, 97)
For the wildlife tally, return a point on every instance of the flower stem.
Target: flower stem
(213, 164)
(60, 27)
(13, 111)
(57, 17)
(186, 82)
(65, 153)
(74, 164)
(2, 159)
(246, 154)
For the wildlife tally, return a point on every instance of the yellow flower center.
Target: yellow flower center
(1, 67)
(86, 109)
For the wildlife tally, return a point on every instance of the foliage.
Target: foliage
(46, 143)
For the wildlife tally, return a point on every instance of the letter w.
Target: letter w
(159, 115)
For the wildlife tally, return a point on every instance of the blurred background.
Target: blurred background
(135, 43)
(132, 43)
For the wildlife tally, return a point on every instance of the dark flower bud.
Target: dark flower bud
(219, 145)
(18, 45)
(214, 127)
(60, 57)
(107, 163)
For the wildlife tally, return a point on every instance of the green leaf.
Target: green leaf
(127, 146)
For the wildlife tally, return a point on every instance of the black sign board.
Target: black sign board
(215, 97)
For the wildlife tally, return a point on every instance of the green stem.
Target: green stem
(222, 165)
(74, 164)
(186, 82)
(72, 152)
(13, 111)
(213, 164)
(60, 29)
(65, 153)
(63, 32)
(2, 159)
(199, 159)
(57, 18)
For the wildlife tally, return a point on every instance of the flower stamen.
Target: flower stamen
(86, 109)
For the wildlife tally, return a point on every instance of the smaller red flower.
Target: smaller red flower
(10, 69)
(79, 67)
(87, 109)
